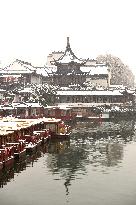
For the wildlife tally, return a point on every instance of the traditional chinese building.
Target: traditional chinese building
(70, 70)
(93, 97)
(20, 72)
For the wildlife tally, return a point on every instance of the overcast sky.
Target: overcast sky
(31, 29)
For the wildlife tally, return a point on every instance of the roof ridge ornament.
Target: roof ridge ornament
(68, 57)
(68, 44)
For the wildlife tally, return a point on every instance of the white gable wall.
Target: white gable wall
(98, 82)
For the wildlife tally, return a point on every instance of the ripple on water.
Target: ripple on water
(96, 162)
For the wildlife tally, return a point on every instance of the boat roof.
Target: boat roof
(9, 125)
(5, 132)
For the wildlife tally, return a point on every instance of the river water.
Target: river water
(96, 166)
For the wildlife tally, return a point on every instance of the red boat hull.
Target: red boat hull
(8, 163)
(1, 165)
(20, 156)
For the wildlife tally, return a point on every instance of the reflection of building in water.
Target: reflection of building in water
(95, 144)
(110, 153)
(6, 175)
(106, 140)
(67, 163)
(114, 153)
(124, 128)
(57, 146)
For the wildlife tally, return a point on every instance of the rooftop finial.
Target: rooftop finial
(68, 44)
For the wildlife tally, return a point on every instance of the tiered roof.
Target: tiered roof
(68, 56)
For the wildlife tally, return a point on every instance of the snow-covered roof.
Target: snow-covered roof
(130, 91)
(26, 90)
(18, 66)
(50, 70)
(26, 104)
(41, 71)
(68, 57)
(71, 105)
(6, 107)
(2, 91)
(117, 86)
(33, 104)
(85, 93)
(63, 107)
(9, 75)
(19, 105)
(66, 88)
(95, 70)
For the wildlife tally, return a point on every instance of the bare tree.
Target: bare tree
(120, 73)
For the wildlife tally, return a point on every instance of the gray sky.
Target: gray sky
(31, 29)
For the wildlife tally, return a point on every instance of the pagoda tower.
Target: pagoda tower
(68, 68)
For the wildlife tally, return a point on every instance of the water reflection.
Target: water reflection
(33, 158)
(93, 146)
(57, 146)
(98, 145)
(7, 175)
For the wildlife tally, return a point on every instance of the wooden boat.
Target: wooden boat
(56, 127)
(43, 134)
(24, 129)
(18, 149)
(1, 160)
(32, 143)
(8, 156)
(30, 147)
(6, 136)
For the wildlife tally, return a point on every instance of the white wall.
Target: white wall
(52, 56)
(98, 82)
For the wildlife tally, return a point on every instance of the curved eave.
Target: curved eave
(57, 62)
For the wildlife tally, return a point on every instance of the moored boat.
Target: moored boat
(32, 143)
(18, 149)
(43, 134)
(57, 128)
(8, 156)
(1, 160)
